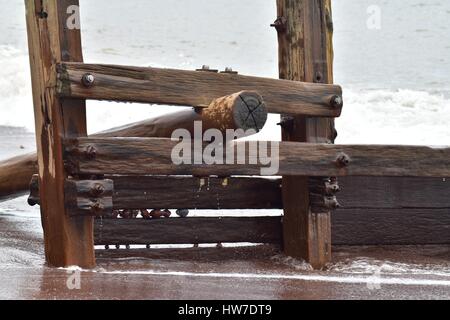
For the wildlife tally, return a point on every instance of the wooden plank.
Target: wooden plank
(192, 88)
(305, 54)
(195, 193)
(68, 241)
(350, 227)
(188, 231)
(391, 226)
(149, 192)
(141, 156)
(394, 193)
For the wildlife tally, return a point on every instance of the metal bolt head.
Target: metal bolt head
(318, 77)
(342, 160)
(97, 190)
(91, 152)
(97, 208)
(88, 80)
(332, 203)
(280, 24)
(337, 101)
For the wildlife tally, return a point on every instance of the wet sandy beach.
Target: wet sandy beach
(212, 273)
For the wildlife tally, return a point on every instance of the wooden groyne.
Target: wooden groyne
(108, 176)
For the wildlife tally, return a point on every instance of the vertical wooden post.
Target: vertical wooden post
(305, 54)
(54, 36)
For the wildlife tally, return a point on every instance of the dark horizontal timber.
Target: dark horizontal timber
(192, 88)
(141, 156)
(391, 226)
(150, 192)
(394, 193)
(350, 227)
(195, 193)
(188, 231)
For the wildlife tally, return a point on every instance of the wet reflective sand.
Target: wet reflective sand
(227, 273)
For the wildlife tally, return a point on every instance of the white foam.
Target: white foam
(394, 117)
(315, 278)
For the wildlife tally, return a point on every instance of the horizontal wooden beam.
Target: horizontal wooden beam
(188, 231)
(143, 156)
(193, 88)
(195, 193)
(154, 192)
(394, 193)
(391, 226)
(350, 227)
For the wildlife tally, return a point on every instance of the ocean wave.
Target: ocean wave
(16, 104)
(394, 117)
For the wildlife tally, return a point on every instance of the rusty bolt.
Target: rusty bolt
(88, 80)
(91, 152)
(332, 187)
(331, 203)
(336, 101)
(280, 24)
(342, 160)
(97, 207)
(318, 77)
(97, 190)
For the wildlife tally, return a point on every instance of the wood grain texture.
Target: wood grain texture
(15, 176)
(68, 241)
(391, 226)
(350, 227)
(244, 110)
(188, 231)
(195, 193)
(394, 193)
(141, 156)
(193, 88)
(305, 54)
(147, 192)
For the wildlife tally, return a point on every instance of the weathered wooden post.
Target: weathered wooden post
(305, 54)
(54, 37)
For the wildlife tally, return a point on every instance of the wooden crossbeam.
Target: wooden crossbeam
(212, 193)
(141, 156)
(193, 88)
(350, 227)
(188, 231)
